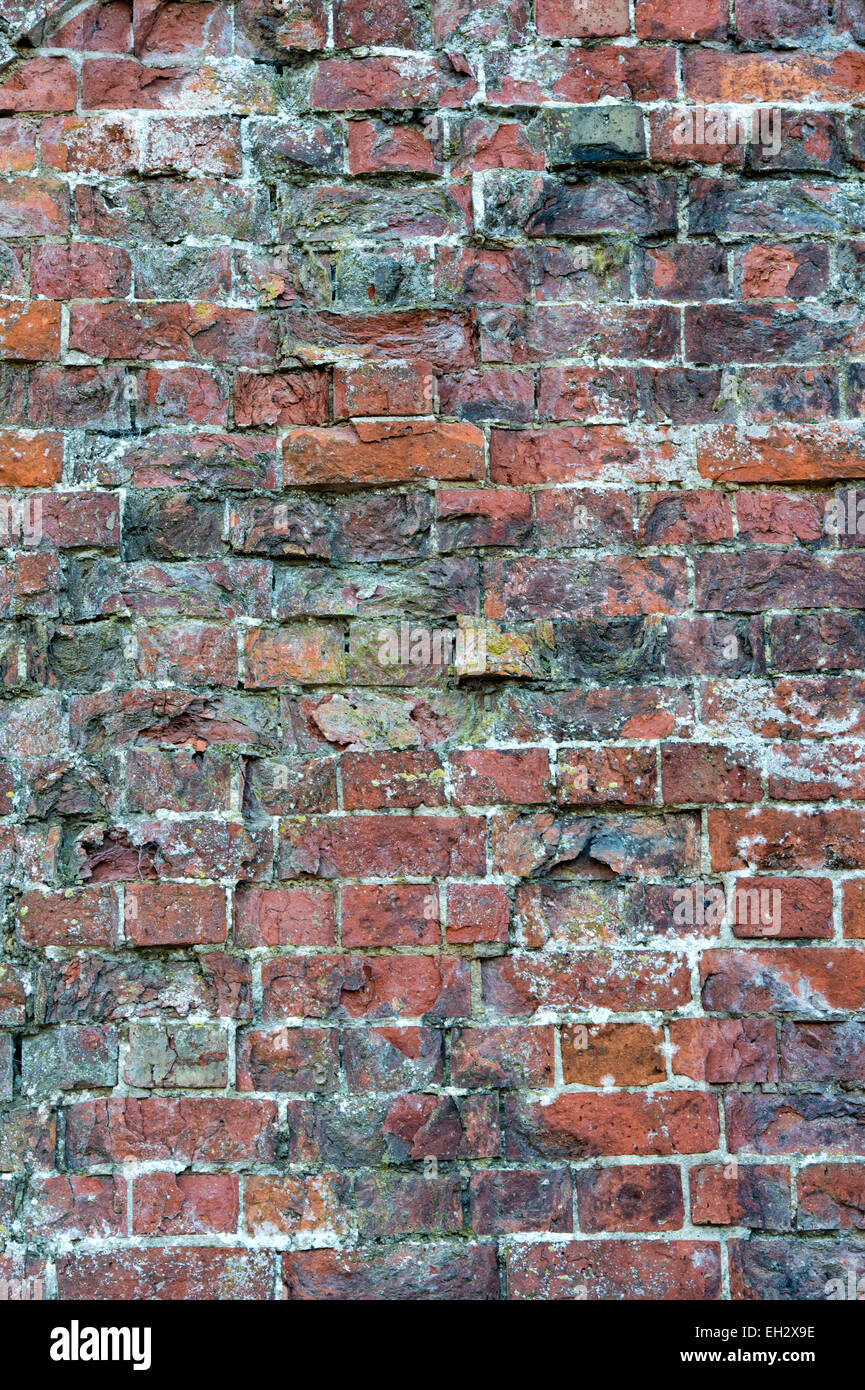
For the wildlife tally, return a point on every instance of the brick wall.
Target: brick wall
(432, 649)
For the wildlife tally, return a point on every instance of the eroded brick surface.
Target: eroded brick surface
(432, 749)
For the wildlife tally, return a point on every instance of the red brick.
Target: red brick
(512, 1056)
(853, 908)
(386, 83)
(601, 776)
(582, 19)
(385, 845)
(29, 332)
(758, 981)
(13, 998)
(519, 984)
(489, 144)
(275, 656)
(435, 1272)
(713, 76)
(581, 1126)
(638, 1197)
(391, 1059)
(17, 146)
(706, 772)
(283, 917)
(189, 30)
(175, 914)
(773, 518)
(469, 518)
(476, 912)
(550, 588)
(86, 917)
(615, 1269)
(321, 987)
(284, 398)
(786, 907)
(481, 777)
(817, 1052)
(292, 1205)
(808, 772)
(784, 272)
(287, 1059)
(621, 1054)
(379, 781)
(77, 1207)
(382, 388)
(96, 144)
(377, 149)
(177, 1272)
(677, 137)
(684, 518)
(184, 1204)
(724, 1050)
(766, 838)
(420, 981)
(514, 1201)
(80, 270)
(221, 1130)
(584, 75)
(573, 454)
(39, 84)
(99, 28)
(366, 453)
(681, 19)
(30, 460)
(399, 1205)
(397, 915)
(184, 332)
(787, 455)
(739, 1195)
(831, 1197)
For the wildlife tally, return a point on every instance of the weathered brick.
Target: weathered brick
(392, 1059)
(287, 1059)
(184, 1204)
(517, 985)
(86, 917)
(437, 1272)
(830, 1197)
(126, 1130)
(644, 1197)
(401, 915)
(185, 1056)
(513, 1056)
(373, 987)
(178, 1272)
(741, 1195)
(168, 914)
(296, 1205)
(69, 1059)
(697, 19)
(724, 1050)
(514, 1201)
(77, 1207)
(614, 1269)
(621, 1054)
(283, 916)
(582, 1126)
(391, 452)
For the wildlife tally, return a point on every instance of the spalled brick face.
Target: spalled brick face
(432, 488)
